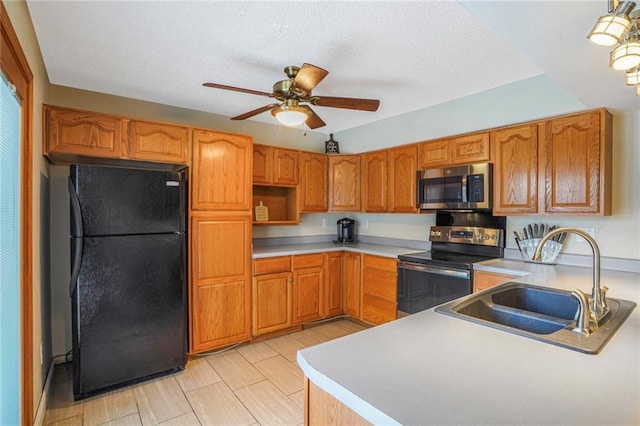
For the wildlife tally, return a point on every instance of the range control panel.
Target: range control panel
(466, 235)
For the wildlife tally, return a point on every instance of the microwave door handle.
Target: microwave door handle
(464, 189)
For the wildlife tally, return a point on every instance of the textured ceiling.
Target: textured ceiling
(410, 55)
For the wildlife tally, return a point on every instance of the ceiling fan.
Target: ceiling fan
(295, 91)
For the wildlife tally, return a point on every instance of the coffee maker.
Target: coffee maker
(346, 231)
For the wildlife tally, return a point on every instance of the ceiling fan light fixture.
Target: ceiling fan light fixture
(610, 28)
(291, 116)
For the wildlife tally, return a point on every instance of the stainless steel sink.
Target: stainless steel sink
(539, 313)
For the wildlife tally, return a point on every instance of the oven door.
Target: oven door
(422, 287)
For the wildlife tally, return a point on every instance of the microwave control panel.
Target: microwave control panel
(475, 183)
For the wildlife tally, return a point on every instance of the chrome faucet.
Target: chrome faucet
(598, 300)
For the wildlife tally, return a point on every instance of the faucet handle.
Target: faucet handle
(605, 305)
(583, 315)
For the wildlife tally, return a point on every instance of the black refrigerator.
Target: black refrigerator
(128, 276)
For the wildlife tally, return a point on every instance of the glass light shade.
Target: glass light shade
(625, 56)
(632, 77)
(609, 30)
(292, 116)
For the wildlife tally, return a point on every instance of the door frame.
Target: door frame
(15, 66)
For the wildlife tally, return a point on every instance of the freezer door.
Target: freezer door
(129, 311)
(119, 201)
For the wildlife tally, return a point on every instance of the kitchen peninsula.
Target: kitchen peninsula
(430, 368)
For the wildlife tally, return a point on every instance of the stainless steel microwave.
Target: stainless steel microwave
(466, 187)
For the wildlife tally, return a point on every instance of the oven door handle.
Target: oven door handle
(437, 271)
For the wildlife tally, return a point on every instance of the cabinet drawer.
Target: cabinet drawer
(483, 280)
(382, 284)
(272, 265)
(377, 311)
(382, 263)
(308, 260)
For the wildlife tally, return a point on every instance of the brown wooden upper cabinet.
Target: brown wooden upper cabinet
(375, 182)
(402, 179)
(467, 149)
(72, 134)
(389, 180)
(221, 171)
(276, 166)
(515, 170)
(576, 164)
(344, 183)
(313, 182)
(81, 133)
(149, 141)
(557, 166)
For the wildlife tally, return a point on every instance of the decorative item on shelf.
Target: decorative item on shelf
(331, 146)
(621, 28)
(531, 235)
(262, 213)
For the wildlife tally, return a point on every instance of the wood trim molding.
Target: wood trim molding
(15, 66)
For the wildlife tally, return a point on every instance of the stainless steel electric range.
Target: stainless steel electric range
(458, 241)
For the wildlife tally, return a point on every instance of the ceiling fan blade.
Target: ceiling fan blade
(313, 121)
(254, 112)
(237, 89)
(347, 103)
(307, 78)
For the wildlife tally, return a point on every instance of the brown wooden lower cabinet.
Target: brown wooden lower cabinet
(320, 408)
(333, 283)
(292, 290)
(483, 280)
(272, 294)
(379, 289)
(220, 292)
(351, 283)
(308, 287)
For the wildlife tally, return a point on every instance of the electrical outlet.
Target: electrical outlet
(590, 231)
(324, 222)
(365, 224)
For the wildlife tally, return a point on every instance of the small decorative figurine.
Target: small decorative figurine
(331, 146)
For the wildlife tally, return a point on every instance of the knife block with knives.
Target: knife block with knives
(531, 236)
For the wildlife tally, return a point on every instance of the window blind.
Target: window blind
(9, 254)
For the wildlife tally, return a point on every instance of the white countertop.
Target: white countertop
(431, 368)
(292, 249)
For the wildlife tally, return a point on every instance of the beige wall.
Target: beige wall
(21, 21)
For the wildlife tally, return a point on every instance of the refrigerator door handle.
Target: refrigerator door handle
(76, 240)
(76, 247)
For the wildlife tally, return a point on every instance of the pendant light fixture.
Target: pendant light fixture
(610, 28)
(626, 55)
(632, 77)
(621, 27)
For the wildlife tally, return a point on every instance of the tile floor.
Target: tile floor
(252, 384)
